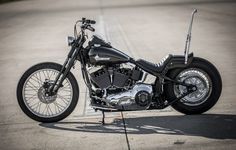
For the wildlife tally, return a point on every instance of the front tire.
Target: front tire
(32, 99)
(201, 72)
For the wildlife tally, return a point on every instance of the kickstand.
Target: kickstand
(103, 118)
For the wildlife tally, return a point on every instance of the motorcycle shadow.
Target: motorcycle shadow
(215, 126)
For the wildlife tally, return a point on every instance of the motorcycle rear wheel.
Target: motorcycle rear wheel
(205, 76)
(33, 100)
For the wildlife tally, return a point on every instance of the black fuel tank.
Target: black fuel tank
(105, 55)
(97, 40)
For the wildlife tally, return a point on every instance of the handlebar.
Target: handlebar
(90, 21)
(87, 21)
(86, 24)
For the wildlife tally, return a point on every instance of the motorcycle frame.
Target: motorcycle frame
(76, 53)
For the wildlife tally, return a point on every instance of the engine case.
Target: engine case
(129, 100)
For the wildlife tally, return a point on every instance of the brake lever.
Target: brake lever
(90, 28)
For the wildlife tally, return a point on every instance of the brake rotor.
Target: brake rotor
(44, 97)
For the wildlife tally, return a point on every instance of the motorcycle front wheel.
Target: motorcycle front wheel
(33, 99)
(205, 77)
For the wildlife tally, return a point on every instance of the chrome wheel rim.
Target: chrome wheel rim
(196, 77)
(46, 106)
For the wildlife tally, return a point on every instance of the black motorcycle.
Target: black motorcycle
(48, 92)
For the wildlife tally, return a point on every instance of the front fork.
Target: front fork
(68, 64)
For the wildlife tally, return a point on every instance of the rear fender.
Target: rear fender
(178, 61)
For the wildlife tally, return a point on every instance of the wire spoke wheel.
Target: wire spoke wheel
(196, 77)
(35, 100)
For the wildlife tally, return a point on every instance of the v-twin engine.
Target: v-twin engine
(137, 98)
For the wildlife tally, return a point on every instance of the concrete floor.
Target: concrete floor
(35, 31)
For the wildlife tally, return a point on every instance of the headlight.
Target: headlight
(70, 40)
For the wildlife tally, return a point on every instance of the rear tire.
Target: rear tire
(209, 101)
(50, 117)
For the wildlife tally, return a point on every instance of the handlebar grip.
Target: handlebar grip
(91, 28)
(90, 21)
